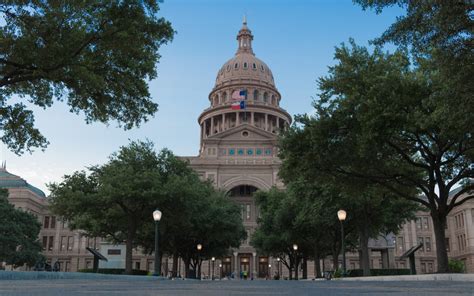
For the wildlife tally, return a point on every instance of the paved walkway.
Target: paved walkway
(131, 286)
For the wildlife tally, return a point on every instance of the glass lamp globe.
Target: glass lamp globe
(341, 215)
(157, 215)
(295, 247)
(199, 247)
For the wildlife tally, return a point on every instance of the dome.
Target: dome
(244, 66)
(8, 180)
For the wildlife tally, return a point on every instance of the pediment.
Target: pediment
(244, 132)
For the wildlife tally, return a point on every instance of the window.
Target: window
(425, 223)
(70, 243)
(45, 242)
(421, 241)
(249, 151)
(232, 151)
(236, 65)
(224, 96)
(428, 244)
(258, 151)
(400, 244)
(228, 68)
(62, 247)
(254, 66)
(245, 66)
(248, 211)
(268, 151)
(242, 210)
(137, 265)
(423, 267)
(240, 151)
(418, 223)
(255, 94)
(261, 68)
(265, 97)
(51, 243)
(430, 267)
(53, 222)
(46, 222)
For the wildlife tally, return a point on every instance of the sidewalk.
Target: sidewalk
(40, 275)
(464, 277)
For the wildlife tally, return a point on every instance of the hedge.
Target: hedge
(114, 271)
(378, 272)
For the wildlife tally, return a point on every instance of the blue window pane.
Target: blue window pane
(268, 151)
(249, 151)
(258, 151)
(231, 151)
(240, 151)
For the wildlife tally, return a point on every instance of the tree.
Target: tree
(19, 232)
(114, 200)
(385, 121)
(96, 55)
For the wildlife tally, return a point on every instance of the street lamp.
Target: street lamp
(278, 267)
(157, 218)
(341, 215)
(213, 259)
(269, 271)
(199, 248)
(295, 248)
(220, 270)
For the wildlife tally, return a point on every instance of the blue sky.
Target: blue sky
(295, 38)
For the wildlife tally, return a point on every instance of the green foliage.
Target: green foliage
(116, 201)
(96, 55)
(19, 232)
(378, 272)
(456, 266)
(114, 271)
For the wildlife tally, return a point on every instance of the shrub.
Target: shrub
(114, 271)
(378, 272)
(456, 266)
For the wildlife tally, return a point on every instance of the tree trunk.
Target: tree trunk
(364, 249)
(335, 258)
(296, 268)
(174, 272)
(317, 266)
(187, 262)
(305, 268)
(128, 251)
(439, 225)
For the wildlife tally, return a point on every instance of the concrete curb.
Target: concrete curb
(461, 277)
(44, 275)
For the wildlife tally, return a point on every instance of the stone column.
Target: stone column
(278, 122)
(252, 120)
(266, 122)
(236, 265)
(212, 126)
(205, 128)
(223, 122)
(237, 119)
(254, 269)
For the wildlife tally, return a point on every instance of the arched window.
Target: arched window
(254, 66)
(255, 95)
(265, 97)
(245, 65)
(261, 68)
(236, 65)
(224, 97)
(228, 68)
(273, 100)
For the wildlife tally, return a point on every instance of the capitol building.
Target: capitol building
(238, 153)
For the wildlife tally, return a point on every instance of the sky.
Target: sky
(295, 38)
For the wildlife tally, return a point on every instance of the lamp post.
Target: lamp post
(213, 259)
(295, 248)
(199, 248)
(157, 218)
(278, 267)
(220, 270)
(341, 215)
(269, 271)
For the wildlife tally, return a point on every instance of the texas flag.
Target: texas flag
(238, 105)
(239, 95)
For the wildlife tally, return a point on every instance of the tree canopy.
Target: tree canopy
(19, 232)
(116, 201)
(98, 56)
